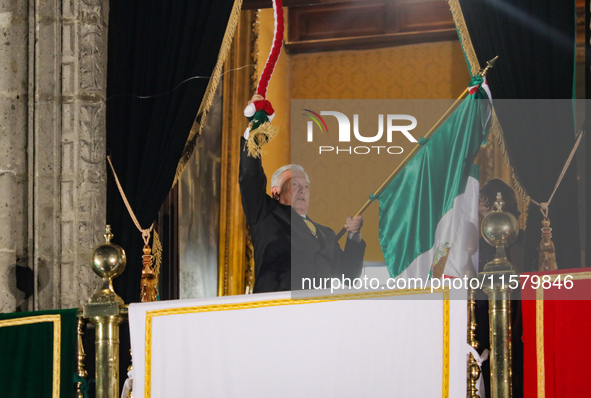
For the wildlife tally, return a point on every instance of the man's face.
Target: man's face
(295, 192)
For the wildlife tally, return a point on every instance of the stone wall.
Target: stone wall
(13, 154)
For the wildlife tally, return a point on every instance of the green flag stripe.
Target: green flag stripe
(414, 202)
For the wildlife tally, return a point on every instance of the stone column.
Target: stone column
(52, 153)
(68, 147)
(83, 144)
(13, 141)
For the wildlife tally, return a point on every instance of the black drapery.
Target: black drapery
(535, 42)
(153, 47)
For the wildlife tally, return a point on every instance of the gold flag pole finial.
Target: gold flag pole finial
(489, 65)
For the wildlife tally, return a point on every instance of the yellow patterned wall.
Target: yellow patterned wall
(429, 70)
(420, 71)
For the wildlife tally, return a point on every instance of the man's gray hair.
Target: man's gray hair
(277, 178)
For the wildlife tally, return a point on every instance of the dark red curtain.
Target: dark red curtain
(535, 42)
(154, 46)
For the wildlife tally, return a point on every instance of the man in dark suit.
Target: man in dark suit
(288, 246)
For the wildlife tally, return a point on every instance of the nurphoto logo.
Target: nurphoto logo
(395, 124)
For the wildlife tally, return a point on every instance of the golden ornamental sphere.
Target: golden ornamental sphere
(499, 228)
(108, 259)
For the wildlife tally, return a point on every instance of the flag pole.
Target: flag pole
(489, 64)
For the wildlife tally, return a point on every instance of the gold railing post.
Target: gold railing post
(80, 371)
(499, 313)
(500, 229)
(473, 368)
(106, 311)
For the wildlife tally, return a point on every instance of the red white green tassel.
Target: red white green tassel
(259, 111)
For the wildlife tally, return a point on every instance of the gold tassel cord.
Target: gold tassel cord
(151, 261)
(546, 251)
(544, 206)
(259, 137)
(149, 284)
(145, 233)
(207, 100)
(156, 253)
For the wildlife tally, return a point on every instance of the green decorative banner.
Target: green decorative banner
(38, 354)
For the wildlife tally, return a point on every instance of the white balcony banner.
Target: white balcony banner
(391, 343)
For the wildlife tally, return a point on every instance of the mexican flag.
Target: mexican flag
(429, 212)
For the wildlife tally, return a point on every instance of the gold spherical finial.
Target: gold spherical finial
(499, 229)
(108, 261)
